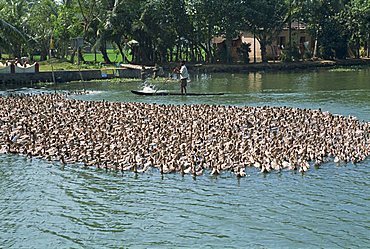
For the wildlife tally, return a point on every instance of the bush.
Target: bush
(244, 51)
(285, 57)
(292, 55)
(334, 41)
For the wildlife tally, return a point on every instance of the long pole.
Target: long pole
(290, 28)
(254, 47)
(78, 61)
(51, 46)
(52, 68)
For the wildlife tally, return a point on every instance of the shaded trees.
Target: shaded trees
(66, 27)
(265, 18)
(13, 26)
(43, 15)
(355, 17)
(230, 22)
(169, 30)
(204, 16)
(157, 28)
(331, 39)
(10, 37)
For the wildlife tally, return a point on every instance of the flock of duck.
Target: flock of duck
(188, 139)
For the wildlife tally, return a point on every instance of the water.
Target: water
(46, 205)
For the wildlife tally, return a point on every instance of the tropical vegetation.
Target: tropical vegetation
(159, 31)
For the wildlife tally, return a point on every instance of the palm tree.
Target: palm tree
(8, 35)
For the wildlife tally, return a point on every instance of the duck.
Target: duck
(240, 172)
(197, 171)
(215, 171)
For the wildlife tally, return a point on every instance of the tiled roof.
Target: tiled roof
(296, 25)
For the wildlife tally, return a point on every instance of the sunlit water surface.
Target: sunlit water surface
(47, 205)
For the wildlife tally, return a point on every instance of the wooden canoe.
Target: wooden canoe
(165, 93)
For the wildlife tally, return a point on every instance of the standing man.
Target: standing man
(155, 71)
(143, 73)
(184, 75)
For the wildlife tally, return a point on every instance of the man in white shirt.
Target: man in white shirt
(184, 75)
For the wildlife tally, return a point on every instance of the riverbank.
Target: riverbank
(279, 66)
(128, 71)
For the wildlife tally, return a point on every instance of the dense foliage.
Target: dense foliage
(168, 30)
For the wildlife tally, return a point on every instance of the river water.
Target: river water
(47, 205)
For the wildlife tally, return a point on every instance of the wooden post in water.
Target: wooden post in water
(52, 68)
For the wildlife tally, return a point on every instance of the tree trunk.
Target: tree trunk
(154, 54)
(124, 58)
(263, 44)
(208, 52)
(177, 53)
(199, 54)
(171, 55)
(180, 53)
(103, 50)
(63, 52)
(17, 51)
(213, 57)
(358, 48)
(44, 54)
(187, 52)
(264, 53)
(228, 43)
(162, 55)
(314, 55)
(73, 56)
(145, 53)
(195, 54)
(273, 53)
(80, 56)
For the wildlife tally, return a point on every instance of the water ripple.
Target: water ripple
(46, 205)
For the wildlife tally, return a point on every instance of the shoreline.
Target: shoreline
(130, 72)
(279, 66)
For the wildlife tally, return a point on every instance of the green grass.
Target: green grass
(114, 56)
(346, 69)
(57, 64)
(88, 57)
(5, 56)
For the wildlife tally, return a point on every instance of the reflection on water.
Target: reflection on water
(255, 82)
(345, 93)
(46, 205)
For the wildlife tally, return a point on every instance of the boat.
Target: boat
(166, 93)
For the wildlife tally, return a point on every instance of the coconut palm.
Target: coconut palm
(8, 36)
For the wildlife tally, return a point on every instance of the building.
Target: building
(301, 40)
(219, 43)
